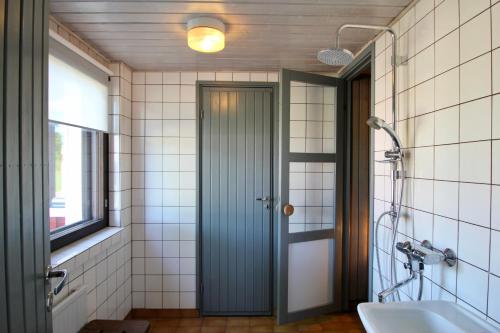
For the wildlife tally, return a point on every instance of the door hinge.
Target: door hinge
(105, 203)
(202, 113)
(201, 288)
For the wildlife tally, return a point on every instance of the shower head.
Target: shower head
(376, 123)
(335, 56)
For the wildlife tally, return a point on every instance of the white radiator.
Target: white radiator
(70, 314)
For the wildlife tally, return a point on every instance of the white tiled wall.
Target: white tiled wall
(105, 267)
(449, 120)
(105, 270)
(164, 184)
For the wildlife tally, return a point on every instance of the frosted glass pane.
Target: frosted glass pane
(75, 97)
(310, 274)
(312, 193)
(312, 118)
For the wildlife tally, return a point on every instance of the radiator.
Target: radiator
(69, 315)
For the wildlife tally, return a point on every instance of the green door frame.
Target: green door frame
(284, 238)
(350, 72)
(274, 182)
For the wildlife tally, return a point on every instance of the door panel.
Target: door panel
(303, 293)
(310, 214)
(236, 167)
(358, 231)
(24, 236)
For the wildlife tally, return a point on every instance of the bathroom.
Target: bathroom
(241, 166)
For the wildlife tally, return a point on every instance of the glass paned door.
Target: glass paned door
(309, 257)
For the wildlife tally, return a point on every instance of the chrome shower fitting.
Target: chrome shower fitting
(395, 154)
(423, 254)
(432, 256)
(407, 249)
(341, 57)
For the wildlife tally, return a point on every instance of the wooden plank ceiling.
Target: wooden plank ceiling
(260, 34)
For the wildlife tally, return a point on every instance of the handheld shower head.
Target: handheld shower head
(335, 56)
(376, 123)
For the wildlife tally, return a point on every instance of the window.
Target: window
(77, 147)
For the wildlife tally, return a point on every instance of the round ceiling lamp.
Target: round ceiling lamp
(206, 34)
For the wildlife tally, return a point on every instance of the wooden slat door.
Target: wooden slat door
(24, 235)
(236, 170)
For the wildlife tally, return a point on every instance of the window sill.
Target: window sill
(93, 244)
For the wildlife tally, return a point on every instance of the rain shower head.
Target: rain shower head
(335, 56)
(376, 123)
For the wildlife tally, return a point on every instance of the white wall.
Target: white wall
(104, 265)
(164, 185)
(449, 110)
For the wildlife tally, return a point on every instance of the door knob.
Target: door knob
(288, 209)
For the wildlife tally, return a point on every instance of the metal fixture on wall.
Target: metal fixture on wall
(341, 57)
(423, 254)
(206, 34)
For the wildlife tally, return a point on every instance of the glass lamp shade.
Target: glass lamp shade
(206, 39)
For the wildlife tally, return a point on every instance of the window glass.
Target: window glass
(73, 176)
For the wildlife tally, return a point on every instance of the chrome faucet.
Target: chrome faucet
(391, 290)
(423, 254)
(407, 249)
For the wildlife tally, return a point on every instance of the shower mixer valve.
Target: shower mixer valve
(426, 254)
(423, 254)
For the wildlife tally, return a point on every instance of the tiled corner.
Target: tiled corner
(453, 154)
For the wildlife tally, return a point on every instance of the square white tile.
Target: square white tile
(475, 78)
(154, 93)
(446, 198)
(475, 162)
(171, 78)
(446, 162)
(425, 32)
(424, 162)
(469, 9)
(424, 130)
(447, 52)
(474, 244)
(447, 89)
(446, 18)
(472, 285)
(447, 126)
(475, 37)
(423, 195)
(475, 120)
(424, 97)
(474, 203)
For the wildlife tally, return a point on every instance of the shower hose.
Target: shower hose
(395, 217)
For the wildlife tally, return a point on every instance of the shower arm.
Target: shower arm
(393, 61)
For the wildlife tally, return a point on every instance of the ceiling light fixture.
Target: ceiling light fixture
(206, 34)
